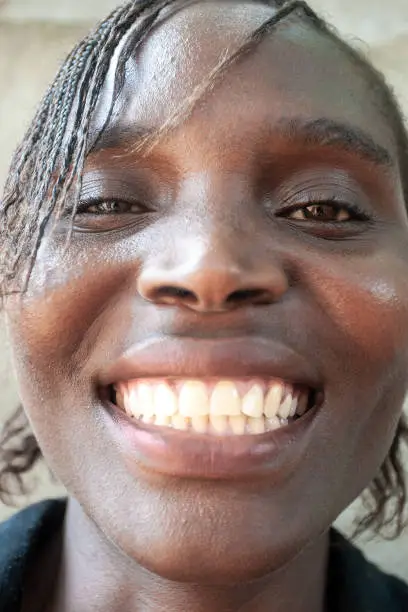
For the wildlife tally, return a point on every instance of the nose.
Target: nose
(213, 284)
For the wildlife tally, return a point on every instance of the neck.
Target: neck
(94, 575)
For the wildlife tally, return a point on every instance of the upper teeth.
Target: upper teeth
(223, 404)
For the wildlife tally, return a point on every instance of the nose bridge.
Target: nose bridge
(217, 229)
(213, 266)
(220, 201)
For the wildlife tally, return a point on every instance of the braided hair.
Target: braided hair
(49, 163)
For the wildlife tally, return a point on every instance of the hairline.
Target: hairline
(367, 71)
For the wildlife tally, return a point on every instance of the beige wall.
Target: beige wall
(30, 52)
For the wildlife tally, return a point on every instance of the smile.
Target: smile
(233, 407)
(230, 408)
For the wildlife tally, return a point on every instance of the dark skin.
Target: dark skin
(218, 197)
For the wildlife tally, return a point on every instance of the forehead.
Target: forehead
(295, 71)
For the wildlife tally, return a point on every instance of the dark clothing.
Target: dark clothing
(21, 540)
(354, 584)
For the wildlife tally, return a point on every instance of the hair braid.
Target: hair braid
(96, 84)
(44, 165)
(25, 208)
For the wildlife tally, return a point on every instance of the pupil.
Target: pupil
(318, 211)
(110, 206)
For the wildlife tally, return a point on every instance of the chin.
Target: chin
(197, 539)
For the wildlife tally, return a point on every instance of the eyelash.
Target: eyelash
(85, 206)
(356, 213)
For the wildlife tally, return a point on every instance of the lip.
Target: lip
(243, 357)
(176, 453)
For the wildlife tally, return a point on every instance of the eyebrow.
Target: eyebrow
(322, 132)
(116, 137)
(325, 132)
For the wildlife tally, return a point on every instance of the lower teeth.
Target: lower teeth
(217, 425)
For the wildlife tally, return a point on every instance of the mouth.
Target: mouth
(214, 407)
(208, 409)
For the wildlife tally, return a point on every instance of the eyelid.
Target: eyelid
(357, 211)
(85, 203)
(322, 184)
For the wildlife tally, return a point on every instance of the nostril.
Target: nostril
(176, 293)
(253, 296)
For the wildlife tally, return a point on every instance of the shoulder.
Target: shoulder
(21, 537)
(356, 585)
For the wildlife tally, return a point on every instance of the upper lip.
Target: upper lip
(181, 357)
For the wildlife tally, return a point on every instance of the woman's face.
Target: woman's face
(214, 265)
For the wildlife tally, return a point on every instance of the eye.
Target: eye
(325, 212)
(108, 207)
(106, 215)
(321, 212)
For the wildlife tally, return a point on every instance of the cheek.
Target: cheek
(367, 303)
(78, 301)
(363, 307)
(59, 339)
(55, 331)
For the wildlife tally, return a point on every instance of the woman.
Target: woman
(204, 277)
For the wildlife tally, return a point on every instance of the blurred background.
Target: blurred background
(35, 35)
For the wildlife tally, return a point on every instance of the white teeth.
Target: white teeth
(180, 422)
(193, 399)
(200, 423)
(209, 408)
(145, 397)
(253, 402)
(165, 401)
(238, 424)
(163, 420)
(273, 400)
(273, 423)
(148, 418)
(133, 405)
(219, 423)
(225, 400)
(256, 426)
(284, 409)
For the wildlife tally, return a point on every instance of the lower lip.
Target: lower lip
(184, 454)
